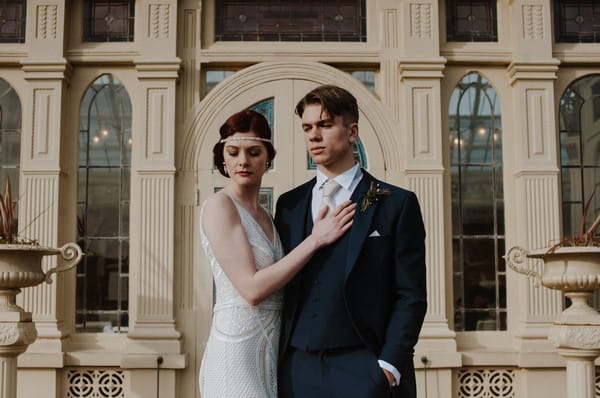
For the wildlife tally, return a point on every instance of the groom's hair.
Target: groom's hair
(333, 99)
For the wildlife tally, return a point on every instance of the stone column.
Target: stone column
(152, 321)
(43, 181)
(532, 75)
(411, 75)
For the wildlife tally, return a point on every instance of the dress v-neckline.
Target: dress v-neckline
(260, 228)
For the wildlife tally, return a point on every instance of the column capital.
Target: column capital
(538, 70)
(46, 69)
(158, 68)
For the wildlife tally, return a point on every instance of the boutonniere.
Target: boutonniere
(373, 195)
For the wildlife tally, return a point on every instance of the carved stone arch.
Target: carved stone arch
(375, 112)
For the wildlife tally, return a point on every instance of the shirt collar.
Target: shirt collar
(345, 179)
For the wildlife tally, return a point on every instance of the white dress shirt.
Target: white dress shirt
(348, 181)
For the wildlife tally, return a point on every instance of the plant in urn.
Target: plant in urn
(573, 266)
(20, 266)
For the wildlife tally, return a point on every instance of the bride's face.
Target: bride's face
(245, 160)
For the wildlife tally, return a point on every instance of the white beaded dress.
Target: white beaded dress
(240, 359)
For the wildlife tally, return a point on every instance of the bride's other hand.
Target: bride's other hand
(330, 227)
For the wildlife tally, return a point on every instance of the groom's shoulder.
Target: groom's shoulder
(297, 192)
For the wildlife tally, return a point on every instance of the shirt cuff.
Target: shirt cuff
(390, 368)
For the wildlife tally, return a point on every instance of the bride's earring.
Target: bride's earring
(225, 169)
(268, 165)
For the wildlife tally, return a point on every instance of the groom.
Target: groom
(352, 316)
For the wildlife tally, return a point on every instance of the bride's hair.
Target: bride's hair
(242, 122)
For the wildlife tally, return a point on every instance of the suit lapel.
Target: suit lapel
(299, 213)
(362, 221)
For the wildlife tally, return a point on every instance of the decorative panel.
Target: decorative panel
(189, 28)
(542, 218)
(155, 287)
(420, 20)
(390, 34)
(158, 28)
(485, 383)
(42, 121)
(157, 120)
(184, 259)
(429, 190)
(95, 383)
(390, 87)
(597, 382)
(536, 121)
(40, 195)
(421, 116)
(533, 21)
(46, 21)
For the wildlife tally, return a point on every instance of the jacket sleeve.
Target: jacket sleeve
(409, 286)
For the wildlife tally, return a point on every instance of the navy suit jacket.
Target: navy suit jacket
(384, 279)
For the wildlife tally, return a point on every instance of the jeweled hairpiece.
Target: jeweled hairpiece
(224, 140)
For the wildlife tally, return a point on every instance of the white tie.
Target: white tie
(330, 187)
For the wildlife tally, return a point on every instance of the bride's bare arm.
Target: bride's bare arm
(222, 225)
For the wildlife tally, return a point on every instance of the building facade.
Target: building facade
(488, 110)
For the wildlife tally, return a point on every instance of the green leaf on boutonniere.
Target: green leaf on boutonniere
(373, 195)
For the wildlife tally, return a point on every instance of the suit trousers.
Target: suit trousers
(340, 372)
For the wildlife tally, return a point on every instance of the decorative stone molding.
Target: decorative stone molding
(47, 17)
(253, 76)
(533, 21)
(95, 383)
(21, 333)
(158, 27)
(390, 33)
(420, 20)
(486, 383)
(584, 337)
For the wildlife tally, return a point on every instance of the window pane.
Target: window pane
(366, 77)
(579, 149)
(103, 206)
(287, 20)
(577, 21)
(10, 140)
(471, 20)
(477, 205)
(12, 21)
(109, 20)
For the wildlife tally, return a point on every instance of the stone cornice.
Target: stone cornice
(526, 70)
(158, 68)
(46, 69)
(422, 68)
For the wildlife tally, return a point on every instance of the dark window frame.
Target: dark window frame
(452, 33)
(88, 17)
(290, 32)
(20, 19)
(561, 21)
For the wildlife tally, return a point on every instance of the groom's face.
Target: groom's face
(329, 140)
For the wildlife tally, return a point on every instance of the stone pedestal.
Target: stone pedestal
(17, 331)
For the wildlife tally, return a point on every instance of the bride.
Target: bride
(246, 258)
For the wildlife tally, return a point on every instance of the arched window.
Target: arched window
(477, 206)
(10, 137)
(103, 207)
(579, 125)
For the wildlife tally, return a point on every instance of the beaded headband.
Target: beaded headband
(224, 140)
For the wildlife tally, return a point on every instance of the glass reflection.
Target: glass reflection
(10, 137)
(475, 140)
(103, 206)
(579, 135)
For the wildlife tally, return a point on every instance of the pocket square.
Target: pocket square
(374, 234)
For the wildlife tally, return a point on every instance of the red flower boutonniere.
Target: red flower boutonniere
(373, 195)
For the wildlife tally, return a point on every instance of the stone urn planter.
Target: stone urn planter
(21, 266)
(576, 331)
